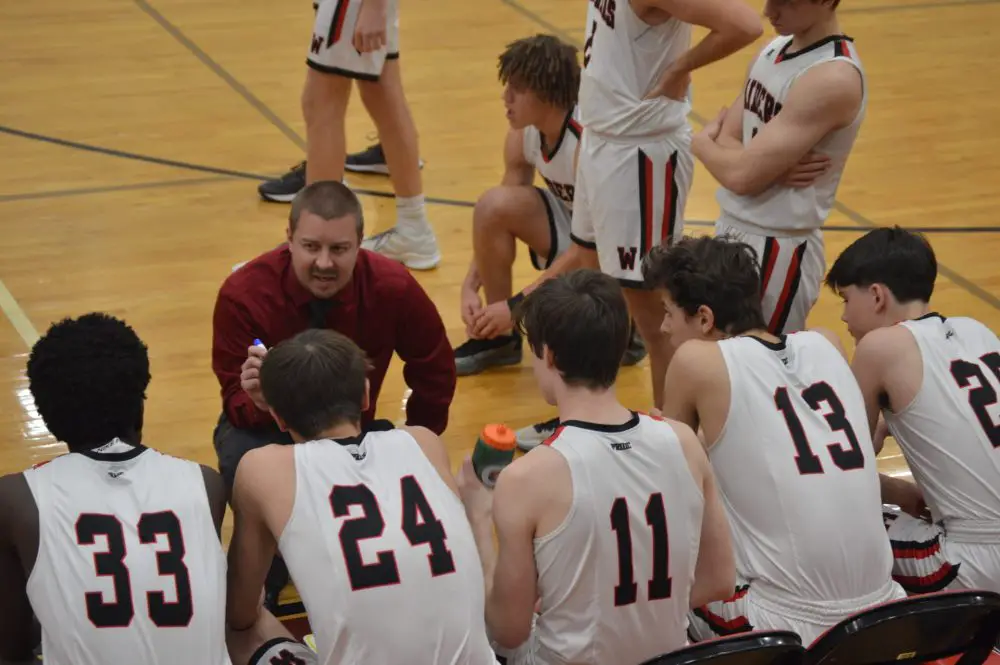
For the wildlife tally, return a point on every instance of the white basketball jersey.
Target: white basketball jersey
(556, 163)
(950, 432)
(796, 467)
(771, 78)
(383, 556)
(615, 576)
(623, 58)
(129, 568)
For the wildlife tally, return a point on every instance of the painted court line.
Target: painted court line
(12, 310)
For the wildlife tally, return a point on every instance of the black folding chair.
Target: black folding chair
(757, 648)
(915, 630)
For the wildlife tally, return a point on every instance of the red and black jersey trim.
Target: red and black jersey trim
(569, 125)
(783, 308)
(647, 231)
(915, 549)
(722, 626)
(337, 23)
(838, 41)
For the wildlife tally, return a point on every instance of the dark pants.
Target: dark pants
(232, 443)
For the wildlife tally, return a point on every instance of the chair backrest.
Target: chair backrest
(757, 648)
(916, 629)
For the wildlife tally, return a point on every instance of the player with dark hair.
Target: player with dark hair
(615, 591)
(113, 547)
(368, 524)
(784, 424)
(936, 381)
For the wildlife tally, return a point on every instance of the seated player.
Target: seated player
(936, 381)
(541, 76)
(113, 547)
(369, 525)
(609, 589)
(784, 424)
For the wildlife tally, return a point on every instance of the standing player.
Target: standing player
(784, 424)
(610, 589)
(635, 165)
(541, 76)
(936, 380)
(804, 98)
(358, 40)
(369, 525)
(113, 547)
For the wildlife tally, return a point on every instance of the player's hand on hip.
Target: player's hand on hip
(807, 171)
(493, 320)
(370, 29)
(672, 85)
(250, 375)
(477, 498)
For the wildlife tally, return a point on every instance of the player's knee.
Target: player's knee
(491, 210)
(323, 97)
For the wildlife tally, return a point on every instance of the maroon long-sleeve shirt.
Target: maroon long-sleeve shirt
(383, 309)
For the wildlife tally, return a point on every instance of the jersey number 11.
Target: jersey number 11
(627, 591)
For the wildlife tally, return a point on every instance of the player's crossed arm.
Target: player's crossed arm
(826, 98)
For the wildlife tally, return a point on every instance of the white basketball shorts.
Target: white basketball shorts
(926, 560)
(630, 197)
(332, 48)
(792, 268)
(283, 651)
(558, 218)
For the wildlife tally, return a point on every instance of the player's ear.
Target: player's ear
(880, 297)
(548, 357)
(706, 319)
(277, 419)
(366, 397)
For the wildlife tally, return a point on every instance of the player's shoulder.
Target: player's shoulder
(16, 497)
(821, 336)
(886, 343)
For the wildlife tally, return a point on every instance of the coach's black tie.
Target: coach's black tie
(318, 309)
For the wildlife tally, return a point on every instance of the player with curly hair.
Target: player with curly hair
(541, 76)
(113, 548)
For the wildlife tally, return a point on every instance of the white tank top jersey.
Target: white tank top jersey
(771, 78)
(796, 468)
(129, 568)
(615, 577)
(950, 432)
(556, 164)
(623, 58)
(383, 555)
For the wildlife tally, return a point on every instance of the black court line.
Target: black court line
(852, 214)
(83, 191)
(221, 72)
(111, 152)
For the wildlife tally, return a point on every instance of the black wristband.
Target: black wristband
(513, 301)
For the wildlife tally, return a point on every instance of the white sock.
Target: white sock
(411, 215)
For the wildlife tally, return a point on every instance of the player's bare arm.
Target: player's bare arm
(216, 490)
(436, 453)
(826, 98)
(18, 548)
(881, 359)
(732, 25)
(715, 570)
(696, 388)
(263, 491)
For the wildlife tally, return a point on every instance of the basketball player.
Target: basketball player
(113, 547)
(358, 40)
(541, 77)
(609, 590)
(811, 73)
(369, 525)
(635, 165)
(936, 382)
(784, 424)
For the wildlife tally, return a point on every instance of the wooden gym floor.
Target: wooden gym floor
(134, 134)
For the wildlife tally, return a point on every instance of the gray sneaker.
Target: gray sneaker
(476, 355)
(533, 436)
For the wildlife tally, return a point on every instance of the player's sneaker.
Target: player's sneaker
(417, 250)
(636, 350)
(284, 189)
(476, 355)
(534, 435)
(370, 160)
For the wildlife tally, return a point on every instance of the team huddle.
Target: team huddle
(747, 499)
